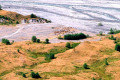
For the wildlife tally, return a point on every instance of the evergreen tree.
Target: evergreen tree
(17, 22)
(111, 31)
(34, 38)
(33, 16)
(85, 66)
(37, 75)
(38, 41)
(18, 50)
(47, 41)
(106, 63)
(6, 41)
(75, 36)
(24, 75)
(33, 75)
(117, 47)
(0, 7)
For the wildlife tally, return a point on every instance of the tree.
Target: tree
(0, 7)
(6, 41)
(75, 36)
(17, 22)
(85, 66)
(117, 47)
(38, 41)
(106, 63)
(111, 31)
(47, 41)
(101, 33)
(35, 75)
(24, 75)
(34, 38)
(112, 37)
(32, 74)
(33, 16)
(68, 45)
(18, 50)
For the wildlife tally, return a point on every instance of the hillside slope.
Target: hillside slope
(68, 64)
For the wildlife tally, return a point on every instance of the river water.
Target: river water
(82, 14)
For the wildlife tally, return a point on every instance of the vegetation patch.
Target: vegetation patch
(117, 47)
(107, 51)
(75, 36)
(49, 56)
(99, 67)
(35, 75)
(114, 31)
(6, 41)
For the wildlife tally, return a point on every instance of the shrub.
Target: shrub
(111, 31)
(34, 38)
(68, 45)
(93, 79)
(106, 63)
(6, 41)
(117, 47)
(85, 66)
(101, 33)
(17, 22)
(24, 75)
(38, 40)
(35, 75)
(49, 56)
(75, 36)
(117, 41)
(100, 24)
(18, 50)
(47, 41)
(112, 37)
(114, 31)
(33, 16)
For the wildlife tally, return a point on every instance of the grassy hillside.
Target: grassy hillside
(15, 18)
(67, 64)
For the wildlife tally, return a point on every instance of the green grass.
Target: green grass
(56, 74)
(41, 62)
(73, 45)
(5, 72)
(107, 51)
(99, 67)
(57, 50)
